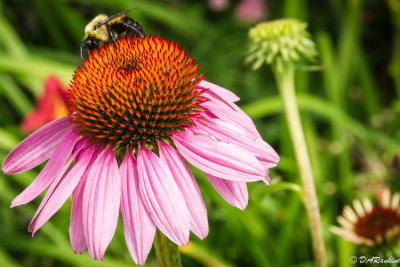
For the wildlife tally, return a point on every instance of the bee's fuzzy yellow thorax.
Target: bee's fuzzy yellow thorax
(101, 32)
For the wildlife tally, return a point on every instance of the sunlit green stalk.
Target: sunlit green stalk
(281, 43)
(166, 251)
(284, 76)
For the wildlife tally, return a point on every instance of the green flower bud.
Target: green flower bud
(280, 41)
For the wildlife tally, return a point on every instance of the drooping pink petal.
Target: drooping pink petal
(100, 204)
(273, 158)
(162, 197)
(217, 91)
(62, 187)
(76, 234)
(139, 229)
(188, 187)
(235, 193)
(218, 158)
(54, 167)
(211, 96)
(37, 147)
(77, 237)
(231, 133)
(266, 180)
(232, 114)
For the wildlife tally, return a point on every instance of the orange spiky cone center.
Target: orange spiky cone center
(138, 91)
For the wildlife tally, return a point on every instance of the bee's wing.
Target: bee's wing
(114, 17)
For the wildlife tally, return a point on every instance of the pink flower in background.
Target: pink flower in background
(133, 121)
(251, 10)
(246, 10)
(218, 5)
(51, 105)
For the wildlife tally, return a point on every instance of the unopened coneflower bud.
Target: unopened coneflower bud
(280, 41)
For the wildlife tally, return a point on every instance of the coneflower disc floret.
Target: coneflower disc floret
(137, 98)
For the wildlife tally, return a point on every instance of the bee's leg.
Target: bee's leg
(112, 37)
(135, 30)
(84, 52)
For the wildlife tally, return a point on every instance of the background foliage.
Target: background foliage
(350, 111)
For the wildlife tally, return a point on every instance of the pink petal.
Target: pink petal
(55, 166)
(162, 197)
(188, 187)
(100, 204)
(235, 193)
(266, 180)
(37, 147)
(267, 161)
(216, 94)
(222, 93)
(76, 234)
(231, 133)
(139, 229)
(218, 158)
(232, 114)
(62, 187)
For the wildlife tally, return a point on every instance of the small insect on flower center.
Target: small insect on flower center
(138, 91)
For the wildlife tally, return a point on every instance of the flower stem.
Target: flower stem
(284, 74)
(166, 251)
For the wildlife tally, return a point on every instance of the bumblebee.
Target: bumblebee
(103, 29)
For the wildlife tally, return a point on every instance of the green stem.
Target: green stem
(166, 251)
(284, 75)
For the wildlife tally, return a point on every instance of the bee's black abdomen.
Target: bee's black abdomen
(127, 27)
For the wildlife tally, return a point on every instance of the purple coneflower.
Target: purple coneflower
(371, 225)
(137, 111)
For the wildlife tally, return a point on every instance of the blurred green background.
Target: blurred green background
(350, 112)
